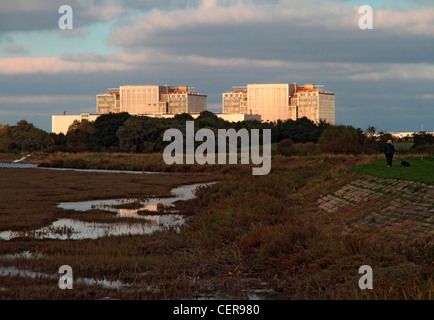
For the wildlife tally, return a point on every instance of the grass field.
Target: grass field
(421, 169)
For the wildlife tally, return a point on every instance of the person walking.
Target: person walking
(389, 151)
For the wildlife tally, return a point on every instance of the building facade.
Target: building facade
(315, 104)
(142, 100)
(108, 102)
(282, 101)
(61, 123)
(235, 102)
(270, 101)
(149, 100)
(182, 100)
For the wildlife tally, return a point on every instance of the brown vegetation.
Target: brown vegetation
(247, 232)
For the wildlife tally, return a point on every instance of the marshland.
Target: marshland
(244, 236)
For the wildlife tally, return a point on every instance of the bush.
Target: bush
(422, 139)
(284, 147)
(287, 148)
(341, 139)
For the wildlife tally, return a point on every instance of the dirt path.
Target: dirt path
(394, 207)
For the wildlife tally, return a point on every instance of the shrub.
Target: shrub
(341, 139)
(285, 147)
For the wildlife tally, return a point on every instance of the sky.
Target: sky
(381, 77)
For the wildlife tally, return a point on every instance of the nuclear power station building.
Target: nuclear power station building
(281, 101)
(261, 102)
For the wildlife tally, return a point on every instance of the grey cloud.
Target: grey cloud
(291, 43)
(15, 49)
(43, 14)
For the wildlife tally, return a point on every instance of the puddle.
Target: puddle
(17, 165)
(70, 229)
(23, 273)
(180, 193)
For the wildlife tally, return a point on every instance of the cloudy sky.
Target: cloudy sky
(382, 77)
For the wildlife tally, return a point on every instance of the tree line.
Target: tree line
(123, 132)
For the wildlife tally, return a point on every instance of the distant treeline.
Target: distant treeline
(123, 132)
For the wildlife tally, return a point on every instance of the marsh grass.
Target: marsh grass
(266, 228)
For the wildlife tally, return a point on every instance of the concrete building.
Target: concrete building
(182, 100)
(314, 103)
(150, 100)
(281, 101)
(61, 123)
(235, 102)
(271, 101)
(143, 99)
(108, 102)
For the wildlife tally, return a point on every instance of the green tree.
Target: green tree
(36, 139)
(79, 136)
(301, 130)
(23, 137)
(207, 119)
(183, 117)
(142, 134)
(105, 128)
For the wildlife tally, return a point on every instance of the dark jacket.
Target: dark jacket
(389, 149)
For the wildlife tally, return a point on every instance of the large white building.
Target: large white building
(142, 99)
(235, 102)
(182, 100)
(147, 100)
(150, 100)
(315, 104)
(271, 100)
(282, 101)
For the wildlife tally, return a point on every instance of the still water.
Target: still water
(70, 229)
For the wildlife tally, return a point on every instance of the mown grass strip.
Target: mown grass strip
(421, 169)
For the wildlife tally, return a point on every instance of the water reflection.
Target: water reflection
(70, 229)
(23, 273)
(112, 205)
(17, 165)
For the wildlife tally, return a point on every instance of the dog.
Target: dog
(405, 163)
